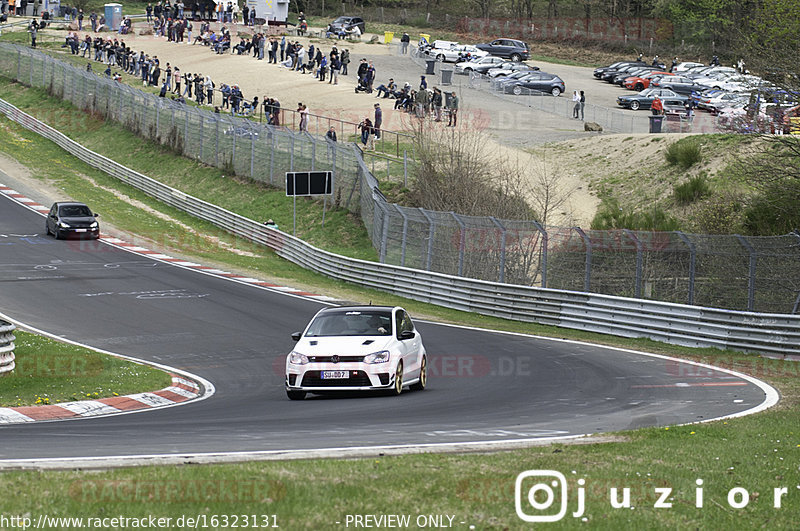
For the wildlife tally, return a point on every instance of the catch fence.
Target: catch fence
(735, 272)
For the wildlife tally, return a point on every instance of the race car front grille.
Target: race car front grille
(356, 379)
(339, 359)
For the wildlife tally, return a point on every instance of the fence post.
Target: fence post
(462, 243)
(313, 152)
(692, 261)
(545, 240)
(272, 156)
(405, 169)
(19, 64)
(202, 134)
(751, 274)
(252, 152)
(405, 235)
(431, 234)
(291, 152)
(587, 281)
(216, 142)
(638, 287)
(384, 230)
(502, 276)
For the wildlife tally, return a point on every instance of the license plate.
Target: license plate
(80, 230)
(335, 375)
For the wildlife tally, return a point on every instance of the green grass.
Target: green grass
(49, 372)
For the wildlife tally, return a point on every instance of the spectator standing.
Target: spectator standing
(149, 11)
(345, 61)
(80, 18)
(176, 74)
(583, 103)
(283, 47)
(378, 120)
(366, 131)
(657, 107)
(93, 20)
(209, 86)
(404, 40)
(336, 66)
(33, 28)
(452, 105)
(437, 104)
(304, 118)
(576, 100)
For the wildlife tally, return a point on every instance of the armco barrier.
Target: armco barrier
(6, 347)
(776, 334)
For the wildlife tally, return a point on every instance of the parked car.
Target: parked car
(356, 348)
(455, 52)
(645, 98)
(67, 219)
(509, 67)
(536, 83)
(720, 100)
(510, 77)
(598, 72)
(679, 84)
(642, 81)
(685, 66)
(345, 24)
(507, 48)
(620, 78)
(479, 66)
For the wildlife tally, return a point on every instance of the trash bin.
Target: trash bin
(431, 66)
(447, 76)
(388, 36)
(113, 16)
(655, 123)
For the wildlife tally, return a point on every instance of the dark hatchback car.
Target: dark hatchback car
(507, 48)
(346, 24)
(67, 219)
(536, 83)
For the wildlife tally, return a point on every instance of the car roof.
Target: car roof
(341, 309)
(69, 203)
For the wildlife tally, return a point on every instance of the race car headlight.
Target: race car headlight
(295, 358)
(63, 225)
(377, 357)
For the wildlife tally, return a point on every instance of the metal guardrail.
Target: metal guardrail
(776, 334)
(7, 338)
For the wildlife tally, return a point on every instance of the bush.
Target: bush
(611, 216)
(692, 190)
(719, 215)
(684, 153)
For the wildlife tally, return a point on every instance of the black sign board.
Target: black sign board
(301, 183)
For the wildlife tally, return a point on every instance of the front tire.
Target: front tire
(639, 87)
(440, 57)
(398, 379)
(296, 395)
(516, 57)
(634, 105)
(423, 376)
(556, 92)
(47, 228)
(517, 90)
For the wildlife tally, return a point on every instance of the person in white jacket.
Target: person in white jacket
(576, 100)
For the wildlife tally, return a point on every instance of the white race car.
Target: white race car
(357, 348)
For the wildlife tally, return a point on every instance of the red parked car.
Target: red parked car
(639, 83)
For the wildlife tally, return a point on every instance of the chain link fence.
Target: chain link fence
(735, 272)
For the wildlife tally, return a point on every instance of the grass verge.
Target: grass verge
(49, 372)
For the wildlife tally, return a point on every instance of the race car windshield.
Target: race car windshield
(351, 323)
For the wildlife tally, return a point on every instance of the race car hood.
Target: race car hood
(343, 346)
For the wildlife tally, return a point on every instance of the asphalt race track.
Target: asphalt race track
(483, 386)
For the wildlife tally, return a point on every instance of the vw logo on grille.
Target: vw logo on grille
(335, 358)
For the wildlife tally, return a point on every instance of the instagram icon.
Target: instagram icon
(536, 491)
